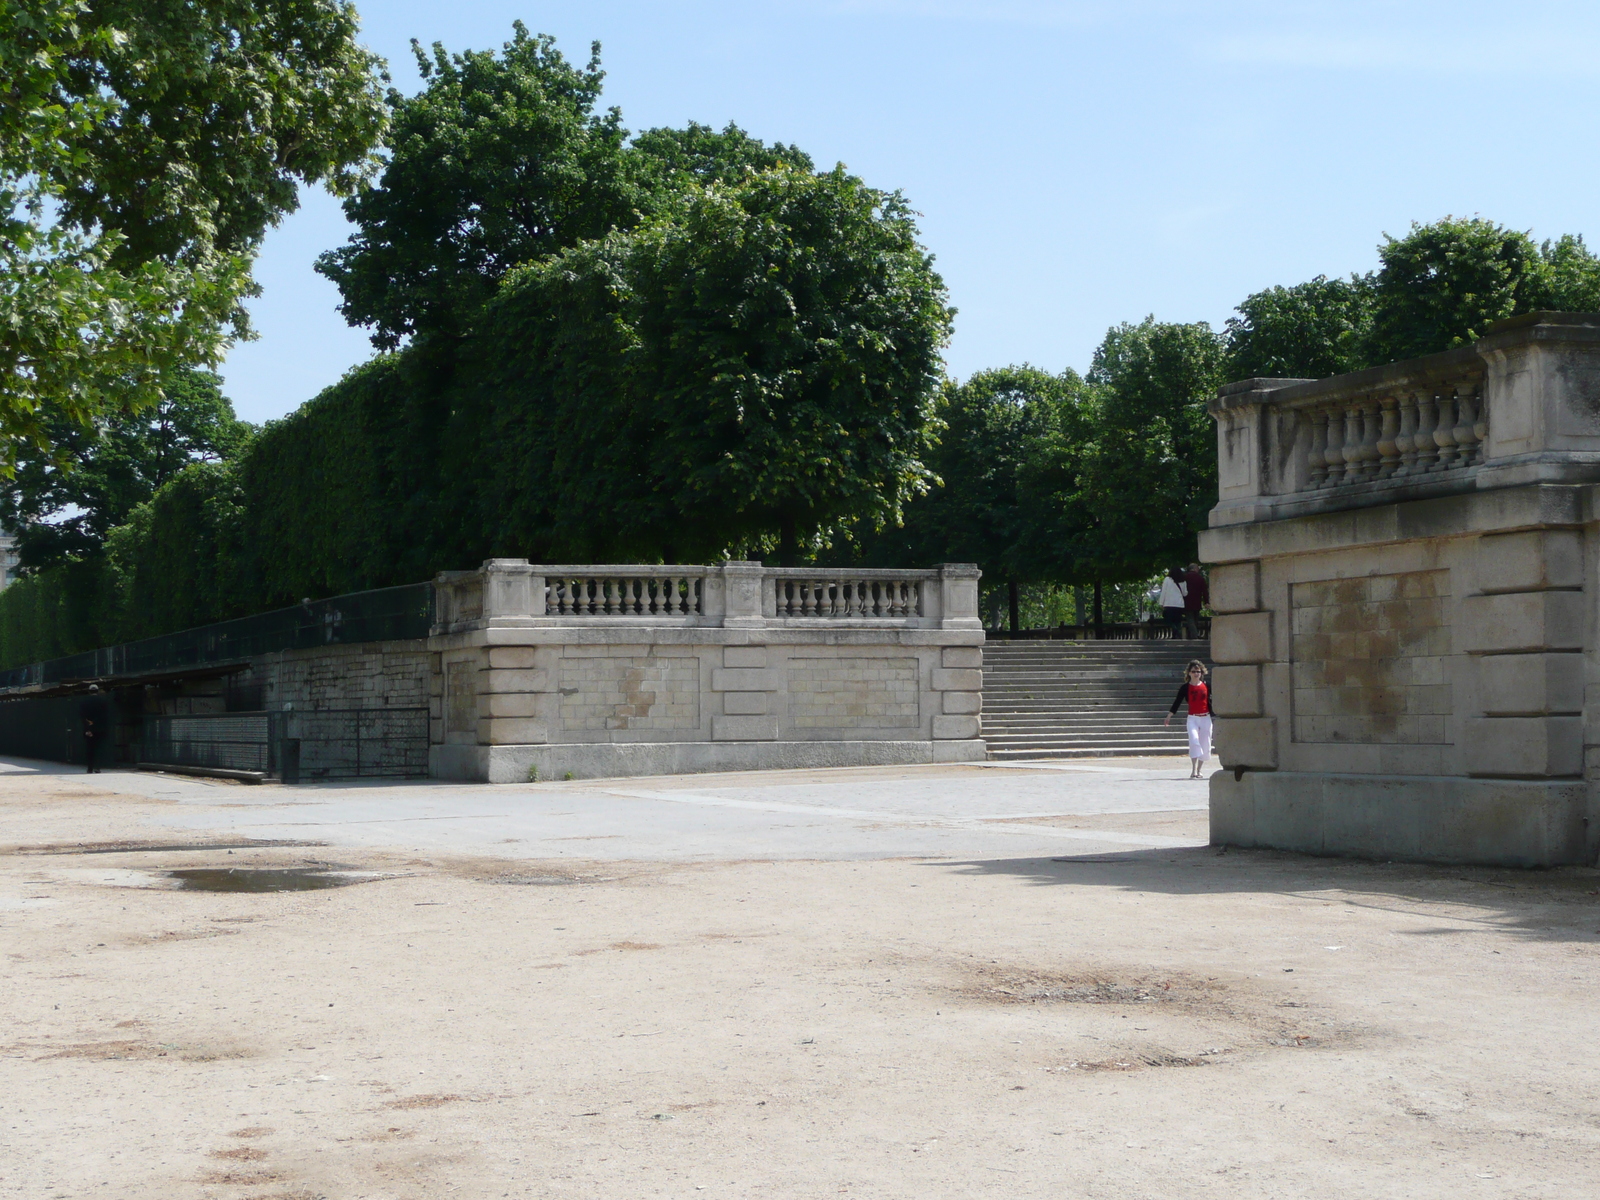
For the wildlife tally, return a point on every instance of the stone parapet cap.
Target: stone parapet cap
(744, 595)
(1465, 514)
(702, 635)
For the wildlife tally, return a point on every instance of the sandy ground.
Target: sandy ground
(925, 982)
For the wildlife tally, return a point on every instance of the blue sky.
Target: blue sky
(1076, 163)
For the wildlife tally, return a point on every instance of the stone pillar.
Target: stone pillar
(1408, 657)
(958, 596)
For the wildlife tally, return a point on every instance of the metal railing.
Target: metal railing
(385, 614)
(355, 743)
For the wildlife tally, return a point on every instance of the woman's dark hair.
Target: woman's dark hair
(1193, 663)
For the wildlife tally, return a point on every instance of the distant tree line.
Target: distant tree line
(670, 346)
(1106, 478)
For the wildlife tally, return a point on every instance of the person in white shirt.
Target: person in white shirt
(1172, 594)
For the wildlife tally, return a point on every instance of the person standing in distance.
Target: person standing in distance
(1195, 596)
(1172, 600)
(1198, 697)
(95, 714)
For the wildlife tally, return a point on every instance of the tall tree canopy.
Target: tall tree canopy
(145, 147)
(501, 160)
(753, 366)
(61, 504)
(1440, 286)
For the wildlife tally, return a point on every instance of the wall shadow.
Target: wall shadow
(1558, 904)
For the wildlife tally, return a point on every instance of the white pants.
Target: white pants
(1200, 737)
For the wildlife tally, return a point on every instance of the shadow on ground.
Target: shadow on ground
(1559, 904)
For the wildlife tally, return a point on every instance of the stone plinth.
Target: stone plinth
(584, 671)
(1404, 572)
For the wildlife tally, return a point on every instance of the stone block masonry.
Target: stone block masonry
(628, 670)
(1368, 658)
(1405, 562)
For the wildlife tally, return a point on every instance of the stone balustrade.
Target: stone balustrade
(888, 595)
(1389, 433)
(627, 670)
(1515, 407)
(642, 592)
(511, 592)
(1402, 567)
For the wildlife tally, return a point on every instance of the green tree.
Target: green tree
(144, 149)
(755, 367)
(503, 160)
(498, 161)
(62, 503)
(1569, 277)
(1308, 331)
(1150, 477)
(1442, 285)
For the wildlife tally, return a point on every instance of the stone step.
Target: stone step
(1084, 699)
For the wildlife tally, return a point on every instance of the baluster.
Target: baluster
(1481, 427)
(1352, 446)
(1444, 433)
(1316, 464)
(1369, 440)
(1466, 433)
(1351, 451)
(1427, 421)
(883, 602)
(1389, 431)
(808, 602)
(1405, 440)
(1333, 450)
(679, 597)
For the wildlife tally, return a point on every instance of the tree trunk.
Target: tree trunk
(1099, 610)
(1012, 600)
(788, 544)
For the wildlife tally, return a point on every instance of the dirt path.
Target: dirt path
(1147, 1023)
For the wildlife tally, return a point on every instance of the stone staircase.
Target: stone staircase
(1054, 699)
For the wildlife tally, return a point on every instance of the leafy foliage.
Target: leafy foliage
(1151, 475)
(498, 161)
(1308, 331)
(62, 503)
(144, 149)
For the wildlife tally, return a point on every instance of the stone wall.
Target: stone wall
(364, 675)
(740, 667)
(1405, 638)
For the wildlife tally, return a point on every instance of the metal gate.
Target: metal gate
(359, 743)
(353, 743)
(231, 741)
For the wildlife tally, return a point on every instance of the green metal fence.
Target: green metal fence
(385, 614)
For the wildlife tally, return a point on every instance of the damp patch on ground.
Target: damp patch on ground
(267, 879)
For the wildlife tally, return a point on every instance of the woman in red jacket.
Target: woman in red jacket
(1198, 697)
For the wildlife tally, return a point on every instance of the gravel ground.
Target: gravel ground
(923, 982)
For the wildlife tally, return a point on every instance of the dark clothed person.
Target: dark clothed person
(1195, 596)
(95, 716)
